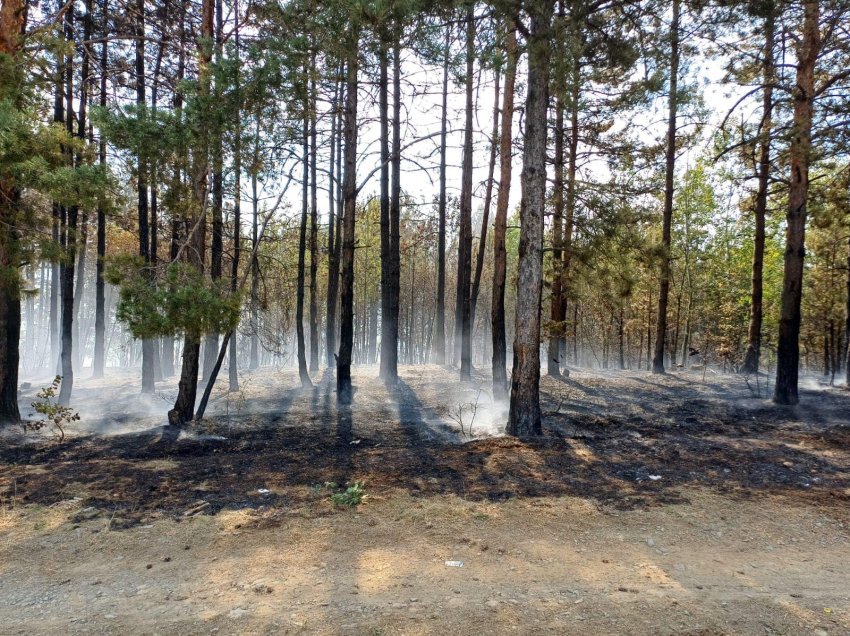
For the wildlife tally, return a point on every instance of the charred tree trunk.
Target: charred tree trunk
(667, 220)
(254, 360)
(333, 238)
(497, 307)
(788, 349)
(99, 360)
(384, 222)
(302, 247)
(556, 309)
(314, 227)
(524, 417)
(439, 344)
(184, 406)
(391, 351)
(751, 360)
(346, 338)
(67, 367)
(463, 325)
(233, 363)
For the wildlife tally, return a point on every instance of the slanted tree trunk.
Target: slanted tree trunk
(751, 359)
(488, 198)
(667, 220)
(497, 307)
(439, 343)
(346, 337)
(463, 324)
(524, 417)
(788, 347)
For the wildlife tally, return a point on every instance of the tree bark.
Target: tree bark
(556, 309)
(302, 247)
(314, 227)
(333, 239)
(667, 220)
(346, 338)
(751, 359)
(463, 324)
(524, 417)
(439, 344)
(497, 307)
(384, 221)
(233, 361)
(788, 349)
(391, 352)
(99, 360)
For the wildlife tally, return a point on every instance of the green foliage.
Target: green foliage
(183, 302)
(52, 413)
(352, 496)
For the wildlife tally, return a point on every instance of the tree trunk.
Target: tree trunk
(314, 227)
(67, 367)
(99, 360)
(391, 350)
(184, 405)
(500, 224)
(664, 286)
(254, 360)
(463, 324)
(302, 247)
(488, 198)
(556, 308)
(384, 222)
(439, 344)
(788, 349)
(524, 418)
(233, 366)
(346, 337)
(751, 359)
(333, 239)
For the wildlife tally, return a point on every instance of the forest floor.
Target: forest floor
(652, 505)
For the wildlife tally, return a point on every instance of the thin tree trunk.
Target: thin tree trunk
(384, 221)
(556, 308)
(333, 264)
(751, 359)
(463, 324)
(497, 307)
(346, 339)
(664, 286)
(390, 349)
(439, 343)
(184, 406)
(254, 360)
(233, 362)
(302, 247)
(488, 198)
(99, 360)
(524, 417)
(788, 349)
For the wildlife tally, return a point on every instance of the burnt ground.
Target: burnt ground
(727, 477)
(606, 434)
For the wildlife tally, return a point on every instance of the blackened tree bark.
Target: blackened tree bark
(333, 262)
(13, 15)
(788, 347)
(99, 359)
(384, 221)
(497, 307)
(556, 308)
(751, 359)
(303, 373)
(463, 323)
(439, 345)
(346, 337)
(524, 418)
(67, 283)
(667, 220)
(391, 368)
(217, 238)
(254, 359)
(314, 226)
